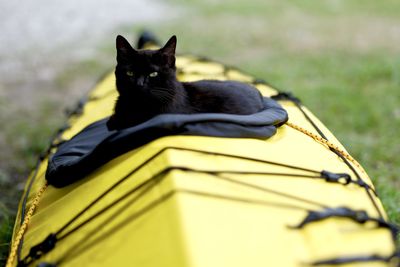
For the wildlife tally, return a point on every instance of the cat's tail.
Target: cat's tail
(147, 38)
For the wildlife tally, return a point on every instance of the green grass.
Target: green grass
(5, 235)
(6, 215)
(341, 57)
(324, 8)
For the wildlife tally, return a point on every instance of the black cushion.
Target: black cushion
(95, 145)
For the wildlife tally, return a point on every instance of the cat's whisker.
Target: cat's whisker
(165, 96)
(163, 99)
(163, 90)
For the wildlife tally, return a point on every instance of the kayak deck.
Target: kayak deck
(207, 201)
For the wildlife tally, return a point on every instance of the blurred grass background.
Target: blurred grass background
(340, 57)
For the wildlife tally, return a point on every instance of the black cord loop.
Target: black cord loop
(341, 178)
(38, 250)
(359, 216)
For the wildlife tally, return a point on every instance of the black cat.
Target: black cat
(147, 86)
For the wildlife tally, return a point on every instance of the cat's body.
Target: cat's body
(147, 86)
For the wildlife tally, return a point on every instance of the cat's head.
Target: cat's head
(145, 73)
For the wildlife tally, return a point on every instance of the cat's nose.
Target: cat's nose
(140, 81)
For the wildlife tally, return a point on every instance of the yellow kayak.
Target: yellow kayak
(296, 198)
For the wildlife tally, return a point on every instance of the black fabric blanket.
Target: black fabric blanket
(95, 145)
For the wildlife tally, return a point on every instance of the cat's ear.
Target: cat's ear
(168, 52)
(170, 46)
(124, 49)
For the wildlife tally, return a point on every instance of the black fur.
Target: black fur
(142, 97)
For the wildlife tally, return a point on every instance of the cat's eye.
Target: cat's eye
(153, 74)
(129, 73)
